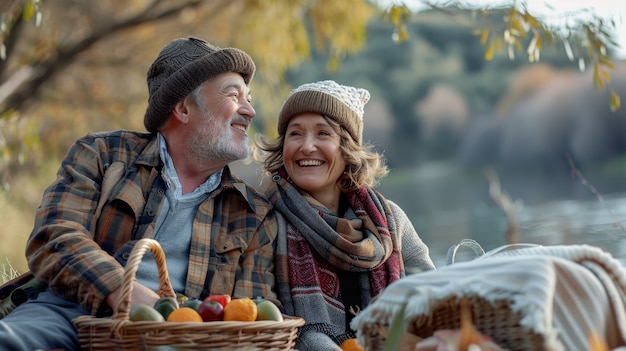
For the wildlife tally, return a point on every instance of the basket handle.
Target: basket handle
(122, 309)
(470, 243)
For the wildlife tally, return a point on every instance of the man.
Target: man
(217, 232)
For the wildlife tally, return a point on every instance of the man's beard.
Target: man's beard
(206, 145)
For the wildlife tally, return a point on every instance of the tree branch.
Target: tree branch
(17, 96)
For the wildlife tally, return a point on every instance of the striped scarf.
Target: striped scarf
(315, 243)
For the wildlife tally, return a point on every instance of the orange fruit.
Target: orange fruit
(184, 314)
(242, 310)
(350, 345)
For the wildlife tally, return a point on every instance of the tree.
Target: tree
(63, 61)
(587, 41)
(70, 64)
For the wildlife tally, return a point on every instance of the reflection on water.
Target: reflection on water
(447, 205)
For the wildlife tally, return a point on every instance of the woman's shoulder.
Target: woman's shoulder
(396, 210)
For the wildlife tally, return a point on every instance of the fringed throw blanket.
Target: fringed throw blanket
(316, 244)
(540, 298)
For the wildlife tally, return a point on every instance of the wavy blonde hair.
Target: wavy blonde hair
(364, 167)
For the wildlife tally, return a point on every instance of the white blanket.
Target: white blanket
(563, 293)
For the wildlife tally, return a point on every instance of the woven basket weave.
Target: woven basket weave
(491, 318)
(119, 333)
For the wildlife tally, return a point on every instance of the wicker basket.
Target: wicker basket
(535, 298)
(491, 318)
(119, 333)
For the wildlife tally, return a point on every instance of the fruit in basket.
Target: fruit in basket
(192, 303)
(268, 311)
(180, 298)
(142, 312)
(350, 345)
(258, 299)
(166, 305)
(242, 310)
(184, 314)
(211, 311)
(223, 299)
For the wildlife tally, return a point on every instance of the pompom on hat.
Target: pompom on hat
(342, 103)
(183, 65)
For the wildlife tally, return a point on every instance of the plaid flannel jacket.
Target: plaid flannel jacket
(82, 257)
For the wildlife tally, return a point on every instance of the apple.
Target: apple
(223, 299)
(211, 311)
(166, 305)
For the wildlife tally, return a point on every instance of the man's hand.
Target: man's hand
(140, 294)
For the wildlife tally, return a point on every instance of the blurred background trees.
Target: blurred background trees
(439, 93)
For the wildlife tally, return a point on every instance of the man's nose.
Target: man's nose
(246, 109)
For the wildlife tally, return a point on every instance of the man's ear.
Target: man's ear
(181, 110)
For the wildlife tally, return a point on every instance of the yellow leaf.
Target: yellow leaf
(531, 20)
(518, 28)
(403, 33)
(489, 53)
(396, 14)
(606, 76)
(484, 36)
(29, 10)
(596, 77)
(615, 102)
(607, 62)
(400, 34)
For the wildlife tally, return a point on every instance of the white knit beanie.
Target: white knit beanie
(344, 104)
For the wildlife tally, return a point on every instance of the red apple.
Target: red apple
(211, 311)
(223, 299)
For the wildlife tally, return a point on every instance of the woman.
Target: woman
(340, 242)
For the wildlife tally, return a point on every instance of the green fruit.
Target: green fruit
(192, 303)
(166, 305)
(181, 298)
(143, 312)
(268, 311)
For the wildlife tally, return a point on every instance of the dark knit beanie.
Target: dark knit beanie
(183, 65)
(344, 104)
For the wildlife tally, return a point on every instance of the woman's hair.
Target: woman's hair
(364, 167)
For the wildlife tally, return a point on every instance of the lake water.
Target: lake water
(447, 204)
